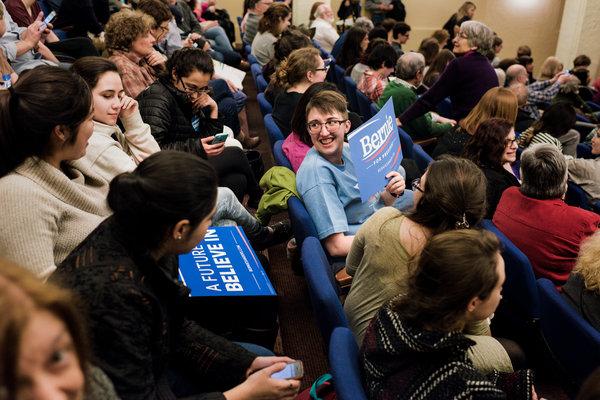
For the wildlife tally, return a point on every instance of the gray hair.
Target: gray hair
(478, 35)
(521, 91)
(544, 172)
(364, 22)
(409, 64)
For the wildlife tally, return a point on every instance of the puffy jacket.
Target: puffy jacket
(169, 114)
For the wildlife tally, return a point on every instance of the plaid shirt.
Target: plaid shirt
(135, 73)
(542, 91)
(372, 84)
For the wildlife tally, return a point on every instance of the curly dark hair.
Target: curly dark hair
(486, 146)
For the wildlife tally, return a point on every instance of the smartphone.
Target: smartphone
(47, 20)
(219, 138)
(293, 370)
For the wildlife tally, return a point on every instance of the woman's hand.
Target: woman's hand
(128, 106)
(260, 386)
(32, 34)
(212, 150)
(264, 362)
(396, 184)
(155, 58)
(204, 100)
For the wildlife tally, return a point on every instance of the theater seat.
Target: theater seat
(364, 105)
(322, 288)
(264, 105)
(351, 90)
(421, 157)
(345, 365)
(302, 223)
(279, 156)
(574, 343)
(261, 83)
(272, 129)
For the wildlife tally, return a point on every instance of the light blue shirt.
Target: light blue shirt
(332, 198)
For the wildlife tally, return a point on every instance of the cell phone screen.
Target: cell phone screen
(293, 370)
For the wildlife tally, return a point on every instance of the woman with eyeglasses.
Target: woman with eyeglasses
(450, 195)
(493, 148)
(183, 116)
(294, 75)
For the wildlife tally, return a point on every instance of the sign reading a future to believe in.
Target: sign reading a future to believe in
(224, 264)
(375, 151)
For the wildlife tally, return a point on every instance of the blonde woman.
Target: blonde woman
(550, 68)
(582, 289)
(466, 12)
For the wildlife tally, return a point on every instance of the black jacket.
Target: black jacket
(169, 114)
(498, 180)
(134, 307)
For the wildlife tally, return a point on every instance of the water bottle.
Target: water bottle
(6, 82)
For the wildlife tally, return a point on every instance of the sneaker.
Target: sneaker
(272, 235)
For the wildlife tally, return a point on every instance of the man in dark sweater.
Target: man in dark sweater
(465, 79)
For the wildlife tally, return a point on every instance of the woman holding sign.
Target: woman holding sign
(126, 273)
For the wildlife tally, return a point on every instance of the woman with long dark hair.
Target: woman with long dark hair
(48, 205)
(142, 337)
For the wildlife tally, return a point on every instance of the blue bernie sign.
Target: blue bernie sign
(224, 264)
(375, 151)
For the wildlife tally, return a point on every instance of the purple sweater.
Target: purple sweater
(465, 80)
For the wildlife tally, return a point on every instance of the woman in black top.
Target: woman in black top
(464, 13)
(183, 116)
(493, 148)
(126, 273)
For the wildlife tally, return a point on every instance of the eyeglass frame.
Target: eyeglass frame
(199, 91)
(415, 185)
(337, 122)
(510, 142)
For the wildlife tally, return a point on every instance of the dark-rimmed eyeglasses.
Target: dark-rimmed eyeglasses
(416, 185)
(332, 125)
(510, 142)
(194, 90)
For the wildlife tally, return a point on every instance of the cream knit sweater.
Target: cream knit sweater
(45, 214)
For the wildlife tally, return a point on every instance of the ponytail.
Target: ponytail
(294, 68)
(42, 99)
(167, 187)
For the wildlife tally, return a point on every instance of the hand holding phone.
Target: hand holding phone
(293, 370)
(47, 20)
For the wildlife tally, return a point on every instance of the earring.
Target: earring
(179, 237)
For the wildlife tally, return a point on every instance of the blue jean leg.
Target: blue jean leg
(256, 349)
(229, 208)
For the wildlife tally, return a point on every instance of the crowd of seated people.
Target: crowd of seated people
(123, 170)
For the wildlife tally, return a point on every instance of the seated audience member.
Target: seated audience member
(582, 61)
(456, 280)
(183, 116)
(325, 32)
(377, 10)
(111, 151)
(402, 89)
(570, 93)
(438, 65)
(149, 344)
(312, 14)
(355, 45)
(349, 9)
(43, 343)
(129, 42)
(429, 48)
(380, 63)
(78, 17)
(442, 38)
(23, 47)
(586, 172)
(528, 113)
(360, 23)
(5, 69)
(496, 103)
(295, 74)
(357, 70)
(290, 40)
(536, 218)
(465, 80)
(208, 11)
(466, 12)
(527, 62)
(378, 32)
(497, 47)
(493, 148)
(256, 9)
(327, 177)
(211, 30)
(449, 195)
(274, 21)
(298, 142)
(582, 289)
(25, 13)
(400, 35)
(554, 127)
(523, 50)
(516, 73)
(166, 41)
(544, 89)
(39, 139)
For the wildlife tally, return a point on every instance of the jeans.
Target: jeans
(229, 209)
(226, 103)
(220, 43)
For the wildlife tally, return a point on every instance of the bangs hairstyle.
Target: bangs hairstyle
(495, 103)
(486, 146)
(328, 101)
(185, 61)
(124, 27)
(271, 18)
(299, 117)
(454, 268)
(21, 295)
(587, 263)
